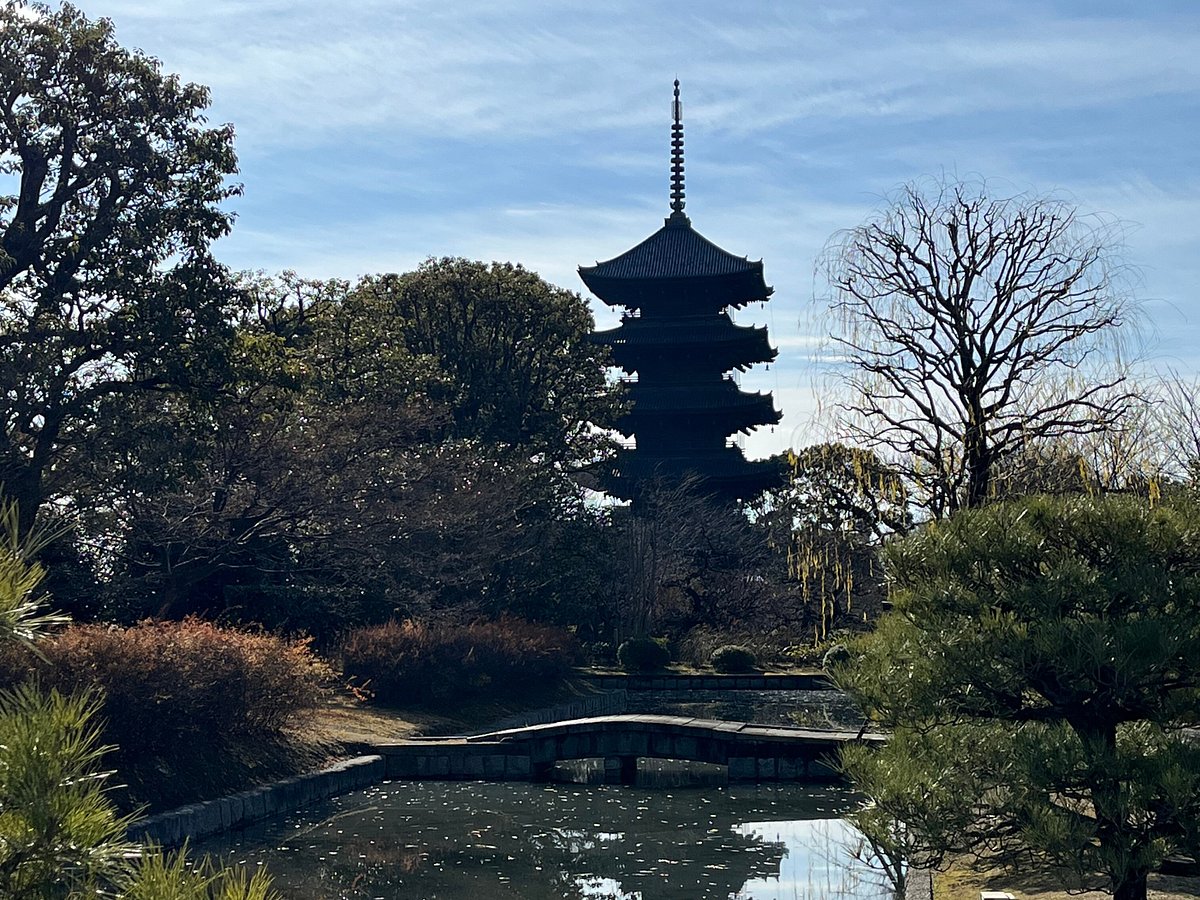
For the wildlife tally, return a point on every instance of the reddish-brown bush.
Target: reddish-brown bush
(430, 663)
(168, 685)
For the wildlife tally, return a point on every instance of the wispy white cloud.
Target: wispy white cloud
(378, 132)
(307, 69)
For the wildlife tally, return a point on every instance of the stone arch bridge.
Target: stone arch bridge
(751, 752)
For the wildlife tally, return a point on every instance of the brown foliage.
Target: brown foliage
(169, 685)
(430, 662)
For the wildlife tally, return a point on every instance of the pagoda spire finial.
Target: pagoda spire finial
(677, 155)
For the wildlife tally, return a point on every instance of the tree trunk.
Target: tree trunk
(1133, 887)
(978, 458)
(1112, 815)
(26, 491)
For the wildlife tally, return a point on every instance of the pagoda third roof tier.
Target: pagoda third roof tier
(675, 262)
(715, 335)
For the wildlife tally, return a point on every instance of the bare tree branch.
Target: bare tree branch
(969, 327)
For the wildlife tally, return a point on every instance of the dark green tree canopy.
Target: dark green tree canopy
(111, 184)
(519, 369)
(331, 480)
(1040, 671)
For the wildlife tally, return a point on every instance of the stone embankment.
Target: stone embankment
(525, 746)
(201, 820)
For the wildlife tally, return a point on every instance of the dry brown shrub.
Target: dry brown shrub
(423, 662)
(172, 684)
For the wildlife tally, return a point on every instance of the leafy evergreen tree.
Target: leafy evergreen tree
(1041, 671)
(112, 194)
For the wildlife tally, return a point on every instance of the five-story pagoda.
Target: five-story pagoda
(678, 344)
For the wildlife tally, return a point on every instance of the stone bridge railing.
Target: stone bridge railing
(751, 752)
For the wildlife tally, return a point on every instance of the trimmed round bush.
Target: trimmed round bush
(642, 654)
(733, 658)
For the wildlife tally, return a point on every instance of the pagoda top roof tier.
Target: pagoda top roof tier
(676, 263)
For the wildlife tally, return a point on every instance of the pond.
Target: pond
(813, 709)
(479, 841)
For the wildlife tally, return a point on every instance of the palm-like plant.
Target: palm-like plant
(24, 616)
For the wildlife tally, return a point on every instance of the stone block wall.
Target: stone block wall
(201, 820)
(793, 681)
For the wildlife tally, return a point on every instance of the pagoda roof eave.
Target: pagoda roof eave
(639, 339)
(727, 410)
(634, 359)
(685, 398)
(635, 331)
(675, 255)
(728, 472)
(734, 289)
(674, 251)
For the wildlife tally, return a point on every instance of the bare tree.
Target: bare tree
(970, 327)
(678, 542)
(1177, 424)
(1127, 457)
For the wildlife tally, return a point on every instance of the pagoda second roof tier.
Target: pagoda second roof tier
(728, 472)
(676, 262)
(717, 336)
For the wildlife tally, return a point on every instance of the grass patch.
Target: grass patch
(963, 880)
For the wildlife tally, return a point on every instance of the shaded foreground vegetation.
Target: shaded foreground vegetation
(61, 835)
(401, 470)
(192, 710)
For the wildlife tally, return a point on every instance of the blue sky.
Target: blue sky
(372, 134)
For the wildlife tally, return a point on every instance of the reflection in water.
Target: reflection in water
(816, 709)
(654, 773)
(477, 841)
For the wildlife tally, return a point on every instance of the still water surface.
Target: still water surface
(814, 709)
(479, 841)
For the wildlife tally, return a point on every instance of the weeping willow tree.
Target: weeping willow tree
(1177, 428)
(970, 326)
(830, 520)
